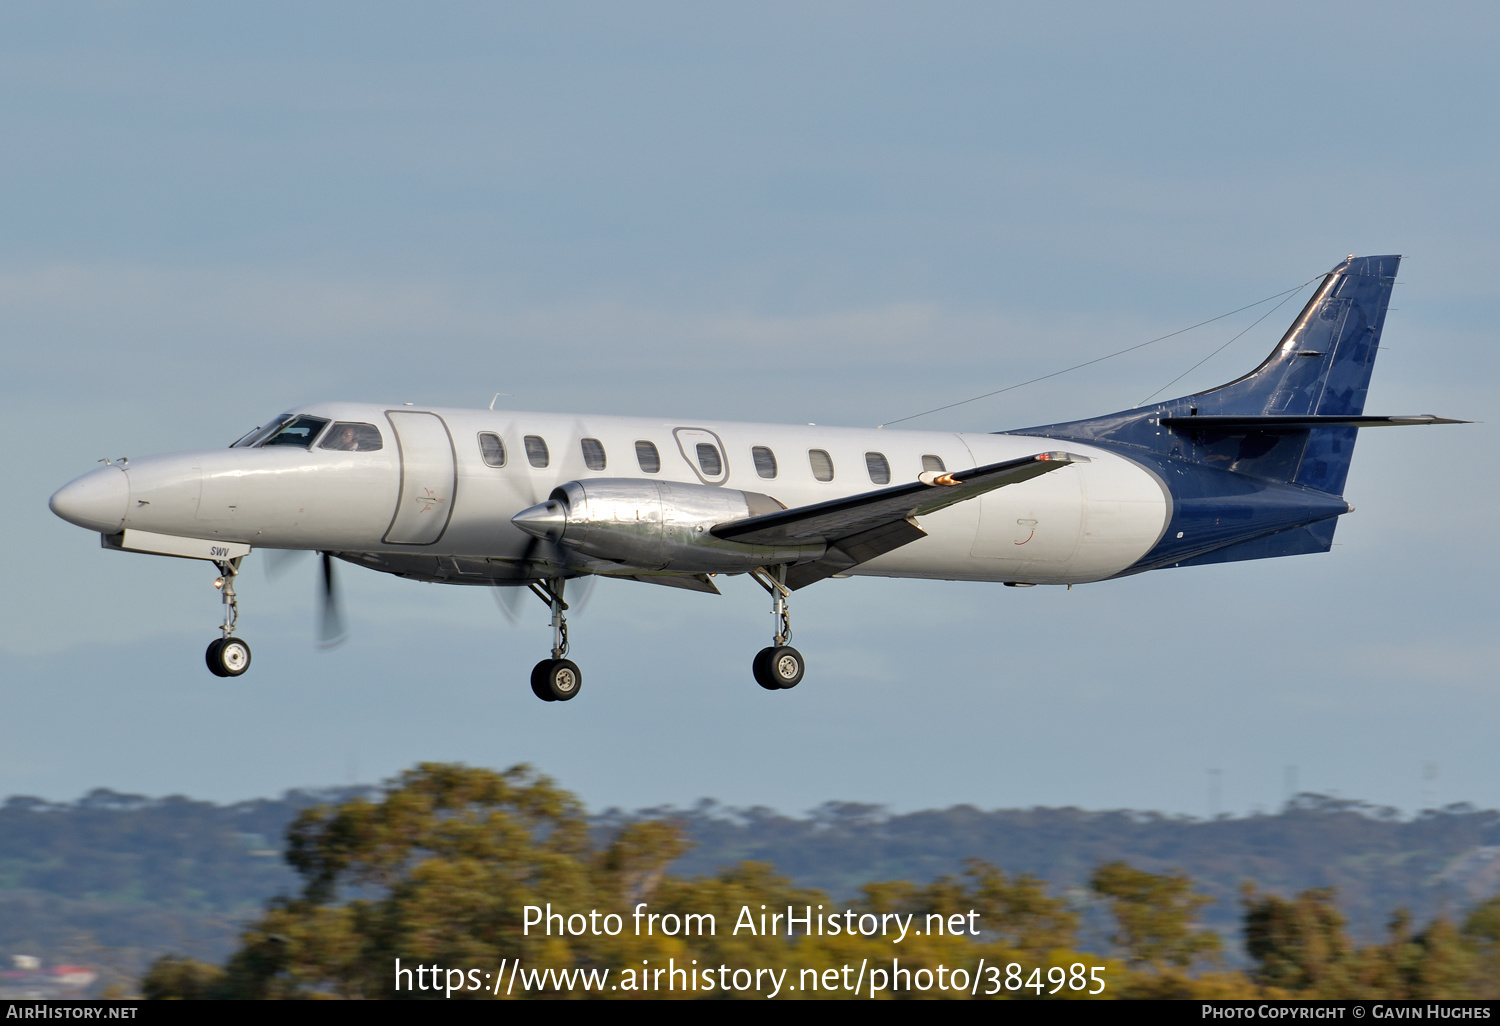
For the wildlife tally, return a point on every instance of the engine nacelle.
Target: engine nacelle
(657, 525)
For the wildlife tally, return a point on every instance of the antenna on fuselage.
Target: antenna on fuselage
(497, 395)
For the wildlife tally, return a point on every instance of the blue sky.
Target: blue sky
(840, 213)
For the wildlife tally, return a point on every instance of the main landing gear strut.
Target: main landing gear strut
(228, 656)
(556, 679)
(779, 666)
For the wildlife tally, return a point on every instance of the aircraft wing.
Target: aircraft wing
(859, 528)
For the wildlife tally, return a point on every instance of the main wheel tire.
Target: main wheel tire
(562, 679)
(211, 657)
(229, 657)
(785, 666)
(762, 669)
(538, 681)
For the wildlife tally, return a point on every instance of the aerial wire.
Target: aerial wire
(1219, 350)
(1283, 296)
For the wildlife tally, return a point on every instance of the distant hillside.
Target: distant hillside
(1442, 861)
(113, 880)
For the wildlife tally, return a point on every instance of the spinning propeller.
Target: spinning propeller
(331, 631)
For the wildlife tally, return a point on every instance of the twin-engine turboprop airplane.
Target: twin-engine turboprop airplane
(1248, 470)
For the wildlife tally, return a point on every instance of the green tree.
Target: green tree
(1297, 945)
(1155, 917)
(1019, 911)
(172, 978)
(1443, 964)
(439, 871)
(1482, 933)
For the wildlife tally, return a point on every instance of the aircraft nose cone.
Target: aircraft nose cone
(545, 520)
(96, 501)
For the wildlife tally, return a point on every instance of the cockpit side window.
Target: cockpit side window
(299, 431)
(352, 437)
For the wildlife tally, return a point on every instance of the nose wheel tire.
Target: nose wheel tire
(556, 680)
(778, 668)
(227, 657)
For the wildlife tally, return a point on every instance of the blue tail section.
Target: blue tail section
(1261, 485)
(1321, 367)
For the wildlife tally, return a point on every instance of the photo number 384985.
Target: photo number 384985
(1076, 977)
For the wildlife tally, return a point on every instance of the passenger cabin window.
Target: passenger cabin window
(299, 431)
(822, 464)
(593, 453)
(352, 437)
(765, 461)
(880, 470)
(536, 451)
(491, 449)
(647, 456)
(933, 464)
(710, 460)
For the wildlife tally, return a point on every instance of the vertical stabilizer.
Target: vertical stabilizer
(1321, 367)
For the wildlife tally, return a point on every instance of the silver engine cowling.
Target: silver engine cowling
(657, 525)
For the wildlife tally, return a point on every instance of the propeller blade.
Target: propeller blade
(510, 600)
(580, 590)
(277, 562)
(331, 619)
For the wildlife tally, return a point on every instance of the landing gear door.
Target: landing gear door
(427, 478)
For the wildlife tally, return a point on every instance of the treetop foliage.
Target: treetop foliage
(440, 868)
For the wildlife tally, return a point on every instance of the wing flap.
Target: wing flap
(854, 550)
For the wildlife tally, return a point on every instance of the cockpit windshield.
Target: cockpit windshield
(250, 439)
(298, 431)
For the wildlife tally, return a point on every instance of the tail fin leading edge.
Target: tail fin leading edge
(1322, 365)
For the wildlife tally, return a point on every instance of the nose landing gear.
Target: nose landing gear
(228, 656)
(556, 679)
(778, 667)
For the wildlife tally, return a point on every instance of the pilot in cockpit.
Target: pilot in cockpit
(345, 439)
(356, 437)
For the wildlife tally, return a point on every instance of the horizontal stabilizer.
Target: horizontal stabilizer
(1273, 422)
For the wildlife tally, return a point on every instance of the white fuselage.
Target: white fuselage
(429, 491)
